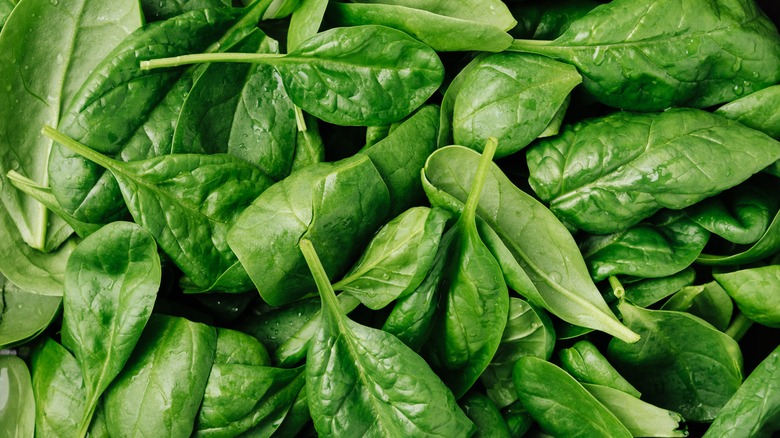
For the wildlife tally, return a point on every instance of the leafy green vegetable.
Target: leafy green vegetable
(58, 384)
(24, 315)
(606, 174)
(650, 55)
(757, 110)
(116, 270)
(365, 381)
(681, 363)
(17, 403)
(754, 410)
(155, 10)
(586, 364)
(767, 245)
(549, 19)
(305, 21)
(647, 292)
(169, 368)
(709, 302)
(41, 72)
(485, 415)
(756, 292)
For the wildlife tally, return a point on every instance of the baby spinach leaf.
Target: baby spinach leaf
(296, 419)
(767, 245)
(511, 96)
(273, 326)
(639, 417)
(757, 110)
(756, 292)
(548, 20)
(242, 110)
(111, 284)
(38, 86)
(17, 403)
(58, 384)
(560, 405)
(709, 302)
(169, 368)
(234, 347)
(473, 301)
(649, 55)
(754, 410)
(528, 332)
(397, 259)
(485, 415)
(6, 6)
(305, 22)
(363, 381)
(540, 246)
(391, 74)
(24, 315)
(681, 363)
(448, 101)
(493, 12)
(187, 202)
(442, 32)
(155, 10)
(662, 246)
(646, 292)
(309, 147)
(606, 174)
(586, 364)
(279, 8)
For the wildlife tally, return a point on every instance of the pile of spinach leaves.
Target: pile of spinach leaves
(389, 218)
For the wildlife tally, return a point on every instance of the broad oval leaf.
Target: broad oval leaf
(709, 302)
(485, 415)
(24, 315)
(586, 364)
(17, 403)
(756, 292)
(756, 110)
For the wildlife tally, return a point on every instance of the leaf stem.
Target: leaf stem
(299, 120)
(739, 326)
(81, 149)
(617, 289)
(519, 45)
(478, 183)
(327, 294)
(198, 58)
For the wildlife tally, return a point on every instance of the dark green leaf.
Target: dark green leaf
(756, 292)
(274, 326)
(549, 19)
(305, 21)
(586, 364)
(647, 292)
(155, 10)
(767, 245)
(17, 403)
(485, 415)
(756, 110)
(24, 315)
(709, 302)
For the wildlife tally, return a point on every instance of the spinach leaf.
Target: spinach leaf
(662, 246)
(274, 326)
(169, 368)
(309, 147)
(511, 96)
(528, 332)
(6, 7)
(448, 101)
(279, 8)
(363, 381)
(493, 12)
(709, 302)
(586, 364)
(305, 22)
(391, 74)
(757, 110)
(646, 292)
(234, 347)
(681, 363)
(639, 417)
(560, 405)
(296, 419)
(549, 19)
(24, 315)
(187, 202)
(651, 55)
(58, 384)
(607, 174)
(38, 86)
(242, 110)
(155, 10)
(517, 418)
(756, 292)
(542, 250)
(754, 410)
(485, 415)
(442, 32)
(17, 403)
(111, 284)
(767, 245)
(473, 302)
(397, 258)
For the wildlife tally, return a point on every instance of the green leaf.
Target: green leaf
(586, 364)
(274, 326)
(650, 55)
(681, 363)
(305, 21)
(603, 175)
(767, 245)
(169, 368)
(24, 315)
(40, 73)
(234, 347)
(754, 410)
(709, 302)
(363, 381)
(155, 10)
(757, 110)
(17, 403)
(540, 245)
(309, 147)
(647, 292)
(485, 415)
(512, 97)
(548, 20)
(560, 405)
(756, 292)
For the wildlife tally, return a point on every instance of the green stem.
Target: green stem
(739, 326)
(299, 120)
(254, 58)
(478, 183)
(617, 289)
(523, 45)
(84, 151)
(327, 294)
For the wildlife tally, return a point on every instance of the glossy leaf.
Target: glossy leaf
(110, 288)
(309, 147)
(24, 315)
(754, 410)
(234, 347)
(586, 364)
(274, 326)
(548, 20)
(681, 363)
(155, 10)
(485, 415)
(647, 292)
(709, 302)
(17, 403)
(757, 110)
(40, 73)
(305, 22)
(448, 101)
(607, 174)
(767, 245)
(528, 332)
(756, 292)
(540, 246)
(560, 405)
(187, 202)
(363, 381)
(662, 246)
(169, 368)
(512, 97)
(492, 12)
(650, 55)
